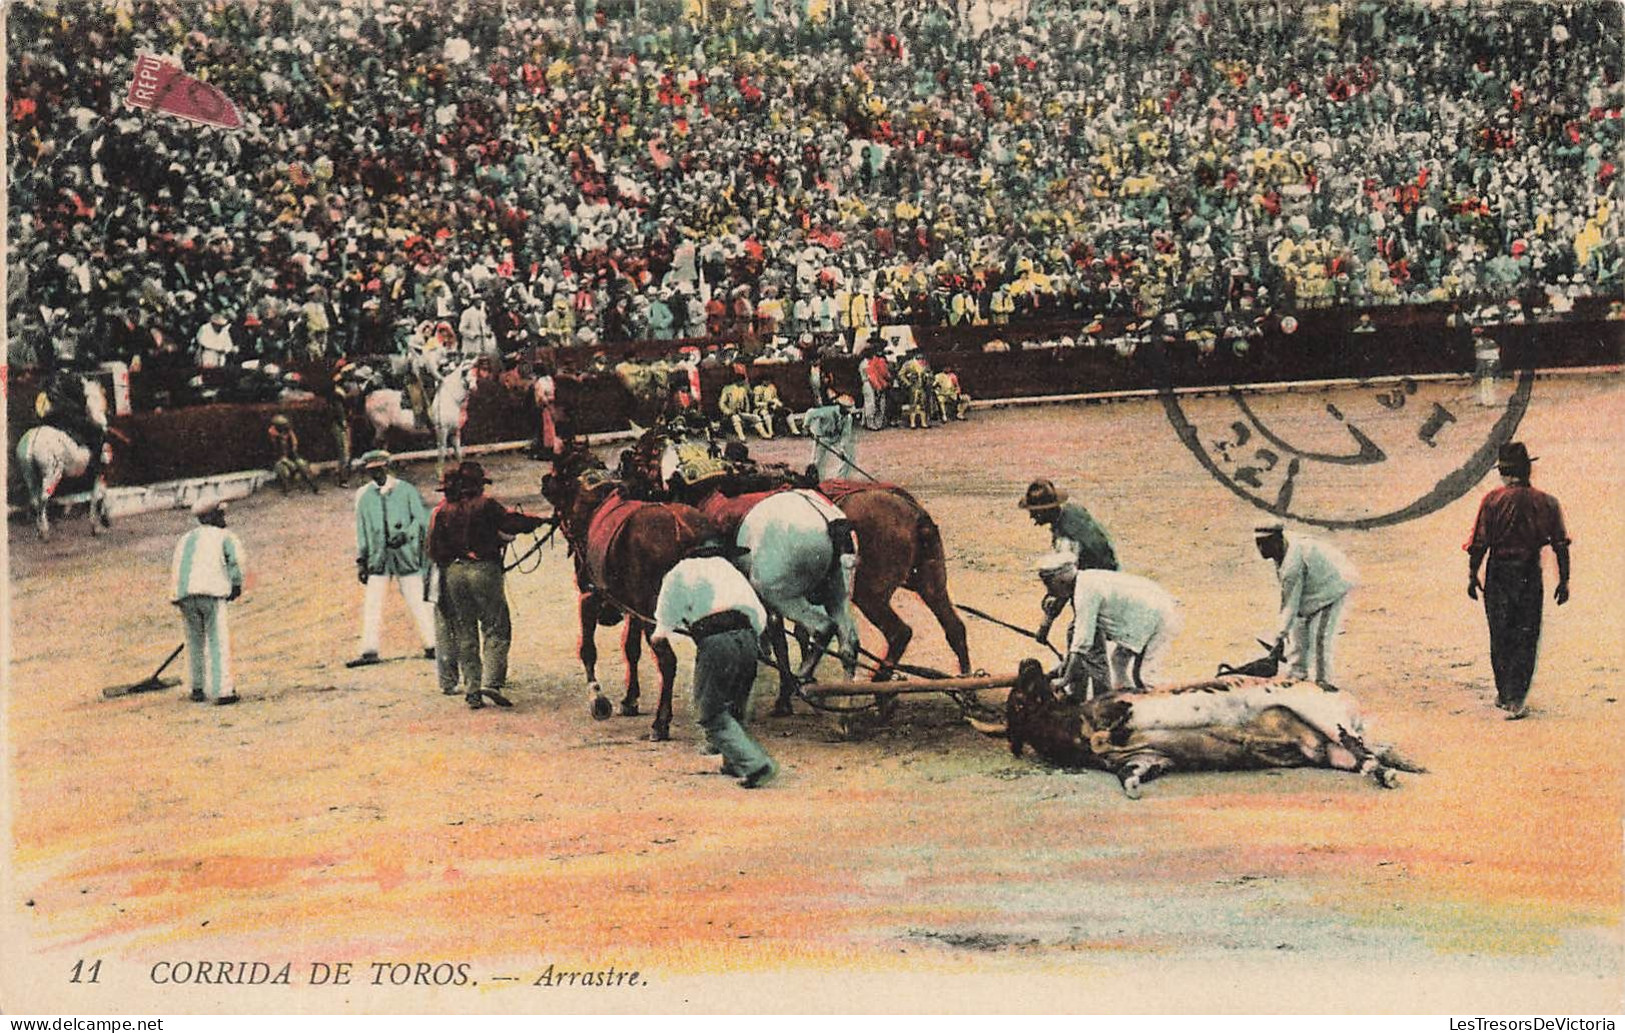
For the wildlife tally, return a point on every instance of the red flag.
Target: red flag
(162, 86)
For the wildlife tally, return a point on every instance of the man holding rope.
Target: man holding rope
(466, 542)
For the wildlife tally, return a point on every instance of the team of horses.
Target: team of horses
(812, 553)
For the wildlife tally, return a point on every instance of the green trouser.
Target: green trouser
(208, 645)
(341, 437)
(445, 649)
(480, 625)
(724, 671)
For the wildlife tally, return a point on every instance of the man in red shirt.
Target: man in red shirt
(466, 540)
(1515, 521)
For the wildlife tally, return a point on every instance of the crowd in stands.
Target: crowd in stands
(534, 172)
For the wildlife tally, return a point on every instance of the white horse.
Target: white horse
(801, 561)
(47, 454)
(386, 409)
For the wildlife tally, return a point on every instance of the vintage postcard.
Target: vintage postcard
(644, 506)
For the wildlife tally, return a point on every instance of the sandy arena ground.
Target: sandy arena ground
(360, 816)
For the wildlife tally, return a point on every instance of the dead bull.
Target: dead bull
(1229, 724)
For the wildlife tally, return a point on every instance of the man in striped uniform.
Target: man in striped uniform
(206, 574)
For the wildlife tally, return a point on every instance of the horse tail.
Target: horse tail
(25, 464)
(927, 544)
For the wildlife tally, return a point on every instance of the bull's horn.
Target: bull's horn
(988, 727)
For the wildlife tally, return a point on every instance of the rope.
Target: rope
(1023, 632)
(842, 456)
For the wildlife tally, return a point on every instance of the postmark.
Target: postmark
(1395, 454)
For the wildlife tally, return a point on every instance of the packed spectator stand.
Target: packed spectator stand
(602, 177)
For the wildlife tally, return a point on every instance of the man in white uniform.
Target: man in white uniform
(1315, 582)
(1137, 617)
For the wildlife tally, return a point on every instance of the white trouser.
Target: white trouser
(1311, 641)
(372, 609)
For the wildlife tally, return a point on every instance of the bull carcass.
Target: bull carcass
(1233, 723)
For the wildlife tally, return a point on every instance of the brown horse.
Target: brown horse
(623, 549)
(899, 546)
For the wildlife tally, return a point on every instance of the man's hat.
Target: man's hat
(374, 459)
(1269, 531)
(1514, 455)
(279, 420)
(208, 507)
(470, 472)
(1042, 494)
(716, 547)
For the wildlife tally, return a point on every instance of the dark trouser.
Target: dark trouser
(1513, 596)
(724, 671)
(477, 605)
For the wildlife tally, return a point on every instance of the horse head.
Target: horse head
(577, 485)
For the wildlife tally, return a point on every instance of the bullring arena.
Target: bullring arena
(358, 815)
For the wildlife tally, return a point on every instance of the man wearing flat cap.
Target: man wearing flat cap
(706, 598)
(1315, 579)
(1132, 613)
(1515, 522)
(466, 542)
(391, 530)
(206, 574)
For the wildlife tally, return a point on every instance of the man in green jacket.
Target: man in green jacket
(391, 529)
(1072, 531)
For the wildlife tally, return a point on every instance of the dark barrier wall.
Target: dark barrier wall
(210, 439)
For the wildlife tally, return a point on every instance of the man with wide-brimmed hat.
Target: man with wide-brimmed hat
(706, 598)
(205, 575)
(1071, 527)
(1315, 579)
(391, 531)
(466, 542)
(1515, 522)
(1074, 532)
